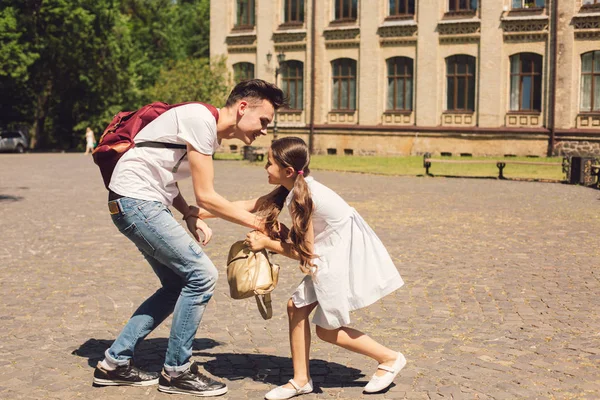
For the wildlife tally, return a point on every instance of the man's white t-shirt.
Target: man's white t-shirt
(150, 173)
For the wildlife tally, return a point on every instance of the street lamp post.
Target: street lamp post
(278, 69)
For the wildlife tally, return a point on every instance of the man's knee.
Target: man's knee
(204, 278)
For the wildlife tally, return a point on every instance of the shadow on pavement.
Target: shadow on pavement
(231, 366)
(278, 370)
(149, 355)
(10, 198)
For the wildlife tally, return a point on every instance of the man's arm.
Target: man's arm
(202, 169)
(190, 216)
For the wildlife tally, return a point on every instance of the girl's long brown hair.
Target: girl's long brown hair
(292, 152)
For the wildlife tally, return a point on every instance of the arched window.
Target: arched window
(243, 71)
(343, 71)
(292, 83)
(590, 81)
(460, 78)
(401, 8)
(245, 14)
(400, 83)
(293, 11)
(526, 82)
(345, 10)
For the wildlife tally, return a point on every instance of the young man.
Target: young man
(143, 185)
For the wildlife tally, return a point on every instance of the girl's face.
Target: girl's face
(277, 174)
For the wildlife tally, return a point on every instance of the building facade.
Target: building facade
(405, 77)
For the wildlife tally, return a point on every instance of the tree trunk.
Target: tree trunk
(38, 133)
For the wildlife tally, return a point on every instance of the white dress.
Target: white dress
(353, 270)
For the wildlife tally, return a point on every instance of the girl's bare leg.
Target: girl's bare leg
(299, 341)
(358, 342)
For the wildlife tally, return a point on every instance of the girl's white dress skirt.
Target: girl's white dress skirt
(353, 268)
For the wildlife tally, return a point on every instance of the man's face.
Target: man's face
(253, 116)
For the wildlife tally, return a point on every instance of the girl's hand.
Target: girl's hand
(256, 241)
(194, 225)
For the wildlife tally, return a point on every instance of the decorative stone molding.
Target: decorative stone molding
(587, 26)
(459, 31)
(398, 118)
(525, 25)
(290, 40)
(289, 36)
(342, 37)
(523, 120)
(588, 121)
(458, 119)
(290, 118)
(397, 32)
(342, 117)
(241, 42)
(531, 28)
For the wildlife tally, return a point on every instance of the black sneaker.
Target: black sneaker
(127, 375)
(193, 382)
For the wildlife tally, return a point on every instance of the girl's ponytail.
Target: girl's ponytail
(301, 210)
(271, 208)
(293, 152)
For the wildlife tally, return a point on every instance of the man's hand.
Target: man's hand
(194, 225)
(256, 241)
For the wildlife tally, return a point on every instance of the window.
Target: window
(399, 8)
(293, 11)
(462, 5)
(528, 3)
(526, 82)
(591, 2)
(460, 71)
(292, 83)
(243, 71)
(400, 82)
(590, 81)
(344, 84)
(245, 14)
(346, 10)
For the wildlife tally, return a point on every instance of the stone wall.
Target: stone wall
(581, 148)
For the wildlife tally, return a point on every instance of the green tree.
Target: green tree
(193, 80)
(68, 64)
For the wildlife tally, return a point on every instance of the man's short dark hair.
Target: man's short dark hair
(257, 89)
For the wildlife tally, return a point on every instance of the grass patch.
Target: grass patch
(413, 166)
(227, 156)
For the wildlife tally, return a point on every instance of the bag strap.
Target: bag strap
(161, 145)
(266, 311)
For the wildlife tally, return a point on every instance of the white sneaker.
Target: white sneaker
(379, 383)
(281, 393)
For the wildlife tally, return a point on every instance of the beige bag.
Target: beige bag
(252, 274)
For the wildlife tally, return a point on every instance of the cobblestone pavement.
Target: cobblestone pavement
(501, 298)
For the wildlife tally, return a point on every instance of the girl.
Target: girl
(90, 140)
(347, 267)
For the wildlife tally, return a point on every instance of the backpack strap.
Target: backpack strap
(161, 145)
(263, 302)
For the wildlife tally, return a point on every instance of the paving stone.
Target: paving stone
(500, 300)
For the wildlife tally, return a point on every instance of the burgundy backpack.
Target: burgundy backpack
(119, 134)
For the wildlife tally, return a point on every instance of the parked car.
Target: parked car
(15, 141)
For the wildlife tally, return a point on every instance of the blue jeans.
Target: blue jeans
(188, 278)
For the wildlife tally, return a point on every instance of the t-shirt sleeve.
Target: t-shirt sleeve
(198, 127)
